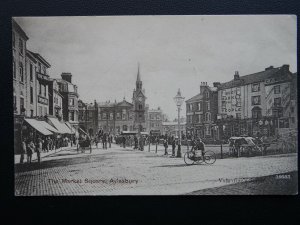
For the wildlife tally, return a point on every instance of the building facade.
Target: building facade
(154, 121)
(70, 96)
(55, 100)
(19, 39)
(201, 112)
(257, 104)
(42, 85)
(171, 128)
(31, 87)
(88, 117)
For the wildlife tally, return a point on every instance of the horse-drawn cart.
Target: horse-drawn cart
(84, 144)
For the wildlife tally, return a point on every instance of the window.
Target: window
(238, 115)
(31, 72)
(191, 107)
(40, 111)
(199, 118)
(152, 124)
(140, 107)
(255, 87)
(207, 130)
(277, 102)
(71, 101)
(31, 95)
(123, 114)
(21, 70)
(111, 116)
(125, 127)
(13, 39)
(199, 106)
(118, 116)
(207, 94)
(15, 102)
(72, 116)
(277, 89)
(45, 92)
(207, 117)
(22, 104)
(14, 69)
(256, 113)
(157, 117)
(40, 67)
(208, 106)
(21, 46)
(256, 100)
(103, 116)
(40, 89)
(44, 70)
(45, 111)
(31, 113)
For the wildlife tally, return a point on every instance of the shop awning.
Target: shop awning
(49, 127)
(61, 127)
(39, 126)
(73, 130)
(79, 129)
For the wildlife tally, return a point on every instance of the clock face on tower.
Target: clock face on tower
(140, 98)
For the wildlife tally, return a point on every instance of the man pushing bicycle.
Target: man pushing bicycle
(198, 145)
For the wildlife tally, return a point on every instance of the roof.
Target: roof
(113, 104)
(19, 29)
(39, 126)
(195, 98)
(31, 56)
(40, 58)
(252, 78)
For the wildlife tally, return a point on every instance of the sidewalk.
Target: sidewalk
(43, 154)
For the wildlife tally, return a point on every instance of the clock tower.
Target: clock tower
(138, 101)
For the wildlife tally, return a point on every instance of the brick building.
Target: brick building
(201, 112)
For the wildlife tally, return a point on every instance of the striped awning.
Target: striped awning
(39, 126)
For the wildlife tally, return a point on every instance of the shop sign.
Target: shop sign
(42, 100)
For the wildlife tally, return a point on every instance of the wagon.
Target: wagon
(247, 146)
(84, 145)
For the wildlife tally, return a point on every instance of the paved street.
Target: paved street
(119, 171)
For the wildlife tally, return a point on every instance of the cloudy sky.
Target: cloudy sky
(174, 52)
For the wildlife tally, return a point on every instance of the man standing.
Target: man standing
(23, 150)
(30, 150)
(173, 145)
(166, 146)
(39, 149)
(109, 140)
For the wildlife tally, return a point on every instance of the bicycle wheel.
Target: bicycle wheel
(209, 157)
(189, 158)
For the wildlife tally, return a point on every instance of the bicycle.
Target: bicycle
(190, 157)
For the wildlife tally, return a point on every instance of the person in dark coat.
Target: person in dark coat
(23, 150)
(124, 141)
(173, 145)
(166, 146)
(136, 142)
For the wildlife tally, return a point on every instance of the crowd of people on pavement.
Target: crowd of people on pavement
(43, 144)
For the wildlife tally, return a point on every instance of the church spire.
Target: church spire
(138, 79)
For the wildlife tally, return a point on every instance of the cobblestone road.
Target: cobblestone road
(119, 171)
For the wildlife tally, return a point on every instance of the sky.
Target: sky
(103, 53)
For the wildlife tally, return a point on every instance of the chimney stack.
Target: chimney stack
(216, 84)
(286, 68)
(236, 75)
(67, 77)
(269, 68)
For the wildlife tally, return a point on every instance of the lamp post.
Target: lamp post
(179, 100)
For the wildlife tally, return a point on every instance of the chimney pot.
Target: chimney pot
(236, 75)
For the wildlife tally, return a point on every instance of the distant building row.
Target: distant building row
(256, 104)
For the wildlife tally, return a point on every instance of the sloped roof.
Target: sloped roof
(252, 78)
(195, 98)
(39, 57)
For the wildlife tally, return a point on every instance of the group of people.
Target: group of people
(105, 138)
(40, 144)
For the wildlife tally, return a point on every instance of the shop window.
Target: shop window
(277, 89)
(118, 116)
(255, 87)
(104, 116)
(256, 100)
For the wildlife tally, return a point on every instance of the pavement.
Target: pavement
(123, 171)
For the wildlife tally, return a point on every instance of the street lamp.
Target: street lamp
(179, 100)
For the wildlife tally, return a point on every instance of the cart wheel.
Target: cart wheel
(189, 158)
(209, 157)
